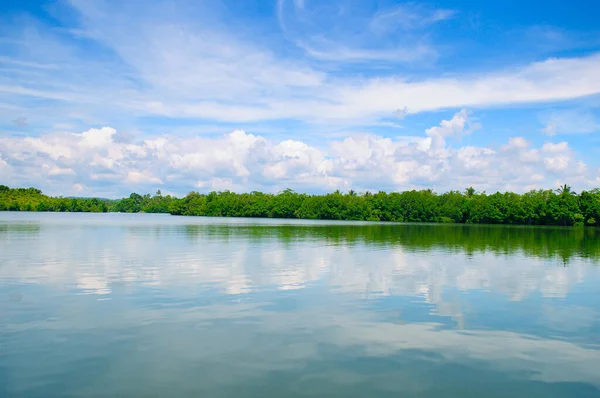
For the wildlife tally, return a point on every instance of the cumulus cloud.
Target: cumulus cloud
(241, 161)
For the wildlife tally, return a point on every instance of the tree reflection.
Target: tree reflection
(540, 242)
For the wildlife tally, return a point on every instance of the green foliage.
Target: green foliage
(543, 207)
(562, 207)
(32, 199)
(137, 203)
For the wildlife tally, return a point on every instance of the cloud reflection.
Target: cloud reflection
(308, 305)
(365, 259)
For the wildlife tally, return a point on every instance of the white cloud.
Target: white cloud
(330, 51)
(551, 80)
(57, 171)
(241, 161)
(186, 62)
(11, 61)
(5, 170)
(138, 177)
(551, 147)
(556, 79)
(549, 130)
(401, 112)
(175, 54)
(192, 63)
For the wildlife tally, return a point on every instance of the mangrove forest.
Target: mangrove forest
(561, 207)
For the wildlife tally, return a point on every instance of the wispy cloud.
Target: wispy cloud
(351, 33)
(547, 38)
(330, 51)
(168, 64)
(408, 16)
(11, 61)
(570, 121)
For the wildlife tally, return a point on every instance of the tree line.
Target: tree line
(561, 207)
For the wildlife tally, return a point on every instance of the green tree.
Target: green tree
(565, 190)
(542, 207)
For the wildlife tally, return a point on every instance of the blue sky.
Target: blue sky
(106, 97)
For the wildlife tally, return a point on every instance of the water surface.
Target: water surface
(152, 305)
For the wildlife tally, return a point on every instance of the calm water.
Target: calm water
(149, 305)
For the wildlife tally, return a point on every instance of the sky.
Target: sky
(103, 98)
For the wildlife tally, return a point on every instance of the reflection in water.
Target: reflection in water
(161, 305)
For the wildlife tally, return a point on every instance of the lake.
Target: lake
(138, 305)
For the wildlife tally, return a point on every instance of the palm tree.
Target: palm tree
(565, 190)
(469, 192)
(352, 192)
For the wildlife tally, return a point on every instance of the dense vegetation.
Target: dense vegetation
(542, 207)
(32, 199)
